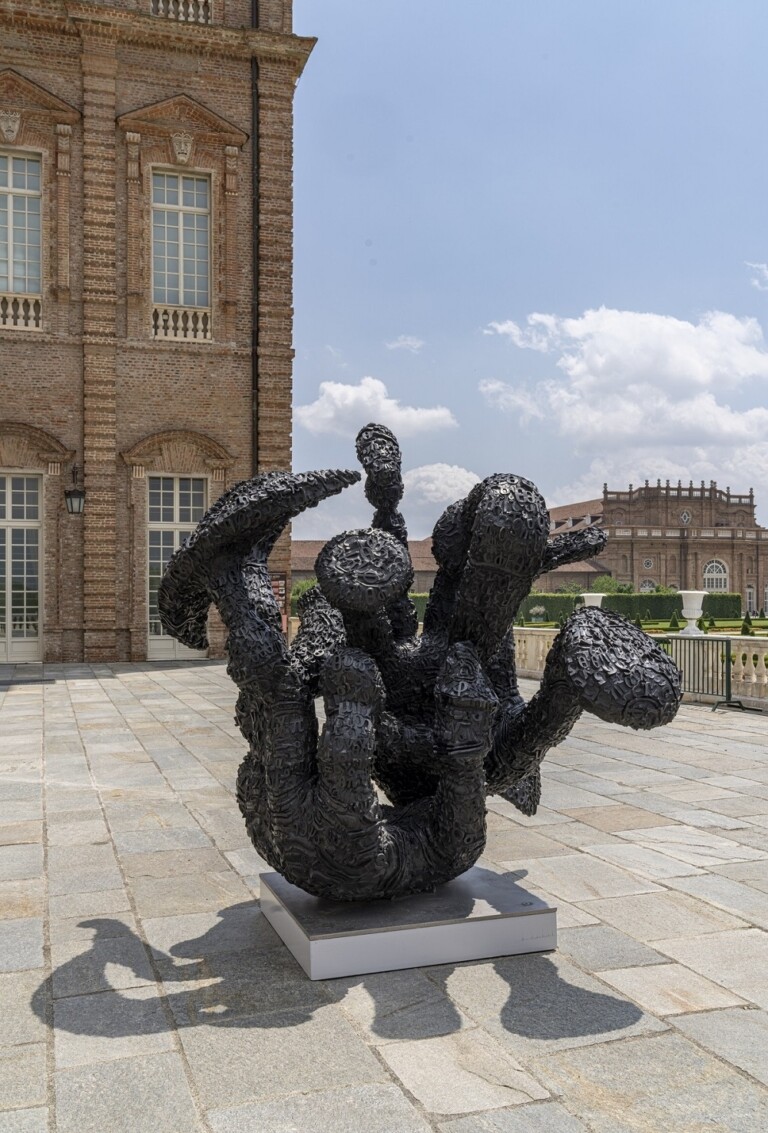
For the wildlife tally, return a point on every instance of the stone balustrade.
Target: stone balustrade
(749, 669)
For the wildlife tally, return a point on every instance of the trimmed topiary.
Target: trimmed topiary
(673, 621)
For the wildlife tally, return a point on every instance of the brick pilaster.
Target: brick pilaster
(276, 92)
(99, 65)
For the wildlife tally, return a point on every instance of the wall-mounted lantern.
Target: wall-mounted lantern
(75, 496)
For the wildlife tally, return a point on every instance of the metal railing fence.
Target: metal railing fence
(706, 664)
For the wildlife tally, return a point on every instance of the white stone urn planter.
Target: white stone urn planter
(593, 598)
(693, 603)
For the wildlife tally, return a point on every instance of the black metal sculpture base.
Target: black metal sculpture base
(437, 721)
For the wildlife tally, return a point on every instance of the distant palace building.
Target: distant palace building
(693, 538)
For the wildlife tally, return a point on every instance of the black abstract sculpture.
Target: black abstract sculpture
(436, 722)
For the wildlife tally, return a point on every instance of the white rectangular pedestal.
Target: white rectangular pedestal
(478, 915)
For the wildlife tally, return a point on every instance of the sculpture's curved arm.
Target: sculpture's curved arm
(599, 663)
(573, 547)
(240, 528)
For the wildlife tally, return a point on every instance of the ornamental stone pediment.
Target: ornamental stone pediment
(180, 116)
(178, 451)
(23, 446)
(22, 97)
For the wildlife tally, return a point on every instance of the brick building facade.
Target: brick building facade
(145, 299)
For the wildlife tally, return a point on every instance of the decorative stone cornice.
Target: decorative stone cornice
(76, 17)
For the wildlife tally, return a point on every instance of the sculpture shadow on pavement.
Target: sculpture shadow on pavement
(238, 973)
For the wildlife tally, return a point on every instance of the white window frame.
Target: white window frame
(181, 321)
(719, 574)
(22, 310)
(162, 646)
(647, 586)
(22, 650)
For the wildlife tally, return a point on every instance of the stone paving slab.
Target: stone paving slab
(660, 1083)
(143, 991)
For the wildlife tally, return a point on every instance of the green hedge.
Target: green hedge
(722, 606)
(420, 602)
(662, 606)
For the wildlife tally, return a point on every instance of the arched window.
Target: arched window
(715, 575)
(647, 586)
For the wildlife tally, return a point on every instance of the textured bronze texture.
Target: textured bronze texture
(436, 722)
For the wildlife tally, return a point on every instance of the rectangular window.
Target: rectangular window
(176, 505)
(180, 239)
(20, 233)
(181, 253)
(20, 241)
(20, 567)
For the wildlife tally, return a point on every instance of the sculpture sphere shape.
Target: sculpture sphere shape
(436, 722)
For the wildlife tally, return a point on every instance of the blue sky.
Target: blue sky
(532, 237)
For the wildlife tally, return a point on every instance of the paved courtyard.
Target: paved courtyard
(142, 991)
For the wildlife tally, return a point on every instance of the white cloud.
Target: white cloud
(632, 378)
(511, 399)
(541, 329)
(607, 346)
(760, 276)
(654, 396)
(406, 342)
(437, 484)
(344, 409)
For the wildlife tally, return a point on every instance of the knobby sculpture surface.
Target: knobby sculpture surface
(436, 721)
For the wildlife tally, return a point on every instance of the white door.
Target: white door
(21, 636)
(176, 503)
